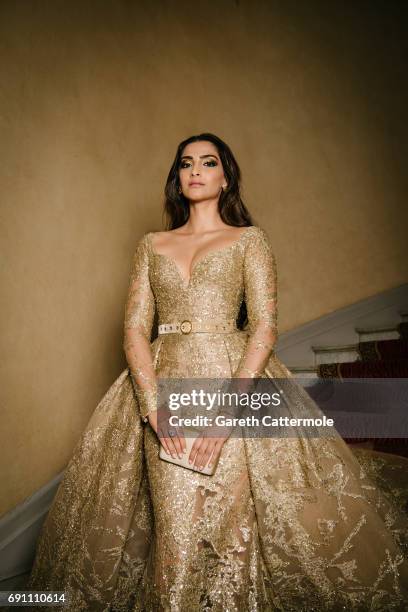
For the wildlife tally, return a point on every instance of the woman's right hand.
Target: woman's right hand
(170, 437)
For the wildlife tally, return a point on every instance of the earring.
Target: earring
(224, 187)
(180, 190)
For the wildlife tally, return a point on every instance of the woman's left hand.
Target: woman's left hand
(207, 446)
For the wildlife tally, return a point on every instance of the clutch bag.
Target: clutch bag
(183, 462)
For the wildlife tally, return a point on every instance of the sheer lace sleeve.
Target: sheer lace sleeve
(260, 286)
(138, 322)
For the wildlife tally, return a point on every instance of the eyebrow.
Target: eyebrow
(201, 156)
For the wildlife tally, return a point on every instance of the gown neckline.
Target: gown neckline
(187, 282)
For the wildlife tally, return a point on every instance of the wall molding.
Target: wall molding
(20, 528)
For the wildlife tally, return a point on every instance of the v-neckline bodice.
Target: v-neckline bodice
(186, 283)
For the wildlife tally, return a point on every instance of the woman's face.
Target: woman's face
(201, 172)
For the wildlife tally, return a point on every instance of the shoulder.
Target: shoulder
(255, 233)
(150, 241)
(255, 230)
(258, 248)
(142, 246)
(143, 241)
(159, 239)
(150, 237)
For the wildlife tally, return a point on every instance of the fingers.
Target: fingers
(180, 441)
(216, 451)
(203, 450)
(165, 442)
(173, 444)
(195, 449)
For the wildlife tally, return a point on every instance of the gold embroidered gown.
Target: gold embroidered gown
(284, 523)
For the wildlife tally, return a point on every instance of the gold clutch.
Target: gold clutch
(183, 462)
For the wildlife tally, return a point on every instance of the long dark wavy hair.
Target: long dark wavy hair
(231, 208)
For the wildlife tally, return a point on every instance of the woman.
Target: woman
(283, 523)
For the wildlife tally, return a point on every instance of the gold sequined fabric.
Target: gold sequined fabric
(283, 524)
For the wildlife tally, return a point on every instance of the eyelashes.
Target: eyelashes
(211, 163)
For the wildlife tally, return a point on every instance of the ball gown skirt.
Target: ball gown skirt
(283, 524)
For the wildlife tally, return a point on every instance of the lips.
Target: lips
(195, 184)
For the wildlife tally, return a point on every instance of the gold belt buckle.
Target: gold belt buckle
(186, 327)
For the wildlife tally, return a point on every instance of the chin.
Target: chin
(197, 196)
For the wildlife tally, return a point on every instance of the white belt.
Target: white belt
(193, 327)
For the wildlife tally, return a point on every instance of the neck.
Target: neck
(204, 217)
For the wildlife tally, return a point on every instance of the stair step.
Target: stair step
(308, 371)
(16, 583)
(332, 354)
(404, 315)
(385, 332)
(342, 353)
(307, 375)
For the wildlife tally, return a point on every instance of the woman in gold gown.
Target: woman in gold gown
(284, 523)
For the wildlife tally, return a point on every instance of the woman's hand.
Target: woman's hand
(171, 438)
(207, 446)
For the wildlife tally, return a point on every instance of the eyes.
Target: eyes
(210, 163)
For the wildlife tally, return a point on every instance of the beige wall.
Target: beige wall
(95, 97)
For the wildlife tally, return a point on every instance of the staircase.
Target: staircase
(380, 352)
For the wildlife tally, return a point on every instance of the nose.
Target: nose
(195, 169)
